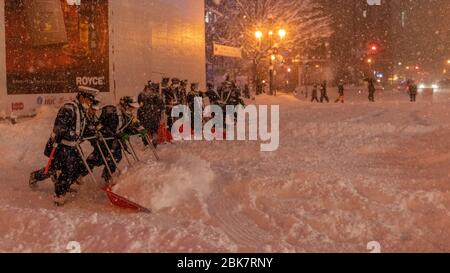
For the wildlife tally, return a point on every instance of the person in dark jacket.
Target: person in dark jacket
(235, 98)
(212, 95)
(341, 92)
(170, 100)
(116, 123)
(314, 94)
(324, 92)
(247, 91)
(371, 88)
(151, 110)
(182, 92)
(68, 132)
(195, 101)
(107, 127)
(412, 90)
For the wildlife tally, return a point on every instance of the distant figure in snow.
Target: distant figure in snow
(371, 88)
(341, 92)
(324, 92)
(412, 90)
(314, 94)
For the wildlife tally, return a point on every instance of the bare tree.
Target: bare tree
(238, 20)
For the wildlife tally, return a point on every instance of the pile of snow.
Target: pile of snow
(162, 185)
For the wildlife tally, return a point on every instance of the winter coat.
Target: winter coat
(341, 89)
(412, 89)
(170, 97)
(152, 107)
(70, 122)
(323, 90)
(213, 96)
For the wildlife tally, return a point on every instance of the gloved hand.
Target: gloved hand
(143, 133)
(125, 136)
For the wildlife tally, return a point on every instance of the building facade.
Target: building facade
(115, 46)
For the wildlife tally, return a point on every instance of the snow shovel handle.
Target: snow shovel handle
(150, 143)
(105, 161)
(50, 159)
(83, 158)
(109, 151)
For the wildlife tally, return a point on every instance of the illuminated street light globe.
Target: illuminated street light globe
(258, 34)
(282, 33)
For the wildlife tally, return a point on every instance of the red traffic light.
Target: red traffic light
(373, 47)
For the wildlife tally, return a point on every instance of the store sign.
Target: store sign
(17, 106)
(227, 51)
(374, 2)
(54, 46)
(73, 2)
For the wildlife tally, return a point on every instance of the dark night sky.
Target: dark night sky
(412, 31)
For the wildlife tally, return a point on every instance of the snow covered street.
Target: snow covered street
(344, 175)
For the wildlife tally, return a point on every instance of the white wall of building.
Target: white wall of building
(3, 104)
(167, 38)
(149, 39)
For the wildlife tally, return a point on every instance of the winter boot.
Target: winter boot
(33, 181)
(59, 201)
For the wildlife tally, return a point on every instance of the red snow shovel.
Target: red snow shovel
(50, 160)
(164, 135)
(122, 202)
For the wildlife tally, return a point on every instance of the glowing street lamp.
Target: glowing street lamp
(258, 34)
(282, 33)
(448, 61)
(369, 61)
(289, 70)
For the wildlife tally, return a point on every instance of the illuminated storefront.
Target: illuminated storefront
(51, 46)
